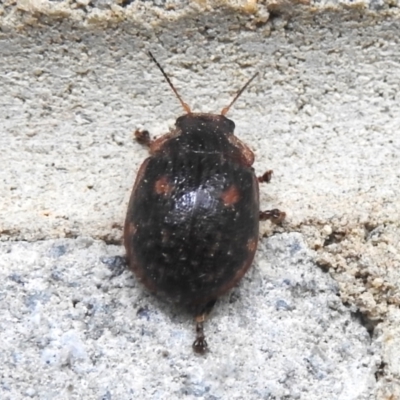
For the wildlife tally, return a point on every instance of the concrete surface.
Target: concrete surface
(324, 115)
(73, 326)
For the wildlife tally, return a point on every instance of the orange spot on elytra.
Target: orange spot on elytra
(162, 186)
(230, 196)
(252, 245)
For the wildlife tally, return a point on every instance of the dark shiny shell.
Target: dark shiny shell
(191, 230)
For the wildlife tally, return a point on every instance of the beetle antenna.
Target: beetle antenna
(184, 105)
(226, 109)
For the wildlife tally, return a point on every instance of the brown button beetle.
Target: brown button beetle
(191, 229)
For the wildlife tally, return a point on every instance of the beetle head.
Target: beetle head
(205, 124)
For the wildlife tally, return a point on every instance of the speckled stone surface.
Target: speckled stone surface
(75, 324)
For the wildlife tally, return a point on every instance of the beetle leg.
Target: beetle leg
(266, 177)
(200, 345)
(143, 137)
(274, 216)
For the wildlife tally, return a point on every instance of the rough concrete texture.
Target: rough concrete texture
(73, 326)
(324, 115)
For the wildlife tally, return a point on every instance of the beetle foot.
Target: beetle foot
(200, 344)
(266, 177)
(276, 216)
(143, 137)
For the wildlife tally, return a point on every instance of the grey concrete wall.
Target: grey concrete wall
(317, 317)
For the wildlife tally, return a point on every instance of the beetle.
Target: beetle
(192, 225)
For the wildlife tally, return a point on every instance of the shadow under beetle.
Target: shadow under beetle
(191, 230)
